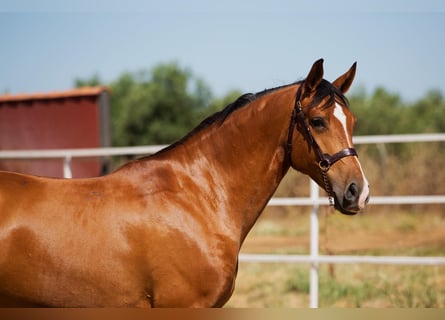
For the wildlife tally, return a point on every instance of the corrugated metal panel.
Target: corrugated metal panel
(56, 120)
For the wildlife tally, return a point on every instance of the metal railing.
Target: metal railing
(314, 200)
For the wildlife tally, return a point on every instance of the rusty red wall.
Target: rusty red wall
(65, 121)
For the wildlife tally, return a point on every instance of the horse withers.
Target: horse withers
(166, 230)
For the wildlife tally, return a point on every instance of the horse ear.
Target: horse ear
(343, 83)
(314, 77)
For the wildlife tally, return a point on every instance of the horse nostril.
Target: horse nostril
(352, 192)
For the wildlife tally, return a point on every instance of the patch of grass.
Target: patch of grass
(407, 224)
(264, 285)
(298, 281)
(419, 289)
(332, 290)
(285, 285)
(383, 286)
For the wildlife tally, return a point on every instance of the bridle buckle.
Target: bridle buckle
(324, 165)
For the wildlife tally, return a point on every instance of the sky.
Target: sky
(231, 44)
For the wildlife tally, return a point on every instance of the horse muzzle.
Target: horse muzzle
(353, 199)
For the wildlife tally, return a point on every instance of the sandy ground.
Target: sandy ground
(383, 237)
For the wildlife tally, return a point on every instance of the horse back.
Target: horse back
(62, 243)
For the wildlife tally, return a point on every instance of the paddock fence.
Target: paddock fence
(314, 259)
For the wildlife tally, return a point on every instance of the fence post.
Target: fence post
(67, 167)
(313, 280)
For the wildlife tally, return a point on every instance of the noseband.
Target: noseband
(325, 160)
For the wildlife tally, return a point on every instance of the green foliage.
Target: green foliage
(156, 107)
(91, 82)
(383, 112)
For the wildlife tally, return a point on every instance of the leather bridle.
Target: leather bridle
(325, 160)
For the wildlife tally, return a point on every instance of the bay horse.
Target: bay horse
(165, 230)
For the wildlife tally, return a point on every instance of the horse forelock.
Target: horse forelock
(327, 90)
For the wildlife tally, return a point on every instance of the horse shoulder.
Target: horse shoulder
(191, 256)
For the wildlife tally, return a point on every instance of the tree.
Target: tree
(154, 107)
(91, 82)
(382, 113)
(428, 113)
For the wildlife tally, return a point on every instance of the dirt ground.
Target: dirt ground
(379, 233)
(349, 243)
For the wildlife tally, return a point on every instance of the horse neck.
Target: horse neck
(241, 161)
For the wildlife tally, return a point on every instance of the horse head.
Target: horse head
(325, 124)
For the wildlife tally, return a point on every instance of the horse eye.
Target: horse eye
(318, 123)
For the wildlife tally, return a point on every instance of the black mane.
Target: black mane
(323, 90)
(242, 101)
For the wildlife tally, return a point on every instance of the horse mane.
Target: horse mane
(323, 90)
(221, 116)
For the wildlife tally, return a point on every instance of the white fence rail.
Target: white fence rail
(314, 258)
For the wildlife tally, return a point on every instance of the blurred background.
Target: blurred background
(166, 66)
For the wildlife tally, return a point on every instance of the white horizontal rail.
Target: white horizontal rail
(140, 150)
(377, 200)
(399, 138)
(407, 200)
(341, 259)
(78, 153)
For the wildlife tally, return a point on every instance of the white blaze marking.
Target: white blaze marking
(365, 192)
(340, 115)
